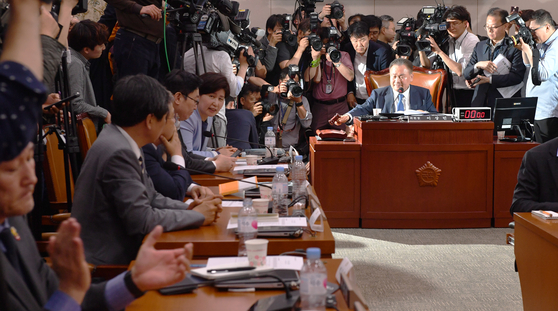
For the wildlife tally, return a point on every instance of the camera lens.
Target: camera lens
(316, 43)
(296, 90)
(334, 54)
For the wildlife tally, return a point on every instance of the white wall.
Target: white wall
(261, 9)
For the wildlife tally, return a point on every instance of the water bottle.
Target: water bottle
(269, 142)
(279, 192)
(313, 282)
(298, 177)
(247, 226)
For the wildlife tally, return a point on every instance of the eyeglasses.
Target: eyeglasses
(533, 30)
(454, 23)
(492, 28)
(197, 101)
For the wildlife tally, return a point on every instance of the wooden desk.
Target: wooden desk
(507, 160)
(216, 240)
(335, 175)
(208, 180)
(208, 298)
(536, 254)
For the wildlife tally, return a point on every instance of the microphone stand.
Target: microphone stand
(264, 161)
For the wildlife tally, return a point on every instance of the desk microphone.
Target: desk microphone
(171, 166)
(268, 160)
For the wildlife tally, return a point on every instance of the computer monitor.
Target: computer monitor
(515, 114)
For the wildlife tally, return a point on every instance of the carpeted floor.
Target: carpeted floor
(446, 269)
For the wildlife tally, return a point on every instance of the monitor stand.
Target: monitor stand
(520, 136)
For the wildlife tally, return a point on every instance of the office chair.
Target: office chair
(86, 133)
(433, 80)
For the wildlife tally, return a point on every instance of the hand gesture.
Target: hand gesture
(351, 100)
(227, 151)
(480, 80)
(316, 54)
(51, 99)
(68, 260)
(276, 37)
(267, 117)
(153, 11)
(257, 109)
(173, 146)
(209, 208)
(325, 12)
(303, 44)
(155, 268)
(487, 66)
(339, 119)
(224, 163)
(201, 193)
(435, 48)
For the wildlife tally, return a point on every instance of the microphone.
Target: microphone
(171, 166)
(400, 90)
(269, 160)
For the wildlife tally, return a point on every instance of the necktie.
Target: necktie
(400, 106)
(11, 249)
(141, 164)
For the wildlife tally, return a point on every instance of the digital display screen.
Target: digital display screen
(428, 10)
(475, 114)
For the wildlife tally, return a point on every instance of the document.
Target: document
(276, 262)
(282, 222)
(240, 168)
(503, 67)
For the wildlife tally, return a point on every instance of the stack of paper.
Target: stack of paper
(545, 214)
(262, 218)
(282, 222)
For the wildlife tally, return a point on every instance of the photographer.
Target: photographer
(483, 72)
(543, 80)
(295, 55)
(274, 35)
(461, 46)
(330, 78)
(294, 112)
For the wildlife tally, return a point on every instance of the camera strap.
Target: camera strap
(283, 123)
(535, 70)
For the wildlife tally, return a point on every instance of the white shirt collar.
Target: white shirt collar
(406, 101)
(131, 141)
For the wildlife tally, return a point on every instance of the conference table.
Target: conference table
(211, 180)
(417, 175)
(536, 253)
(208, 298)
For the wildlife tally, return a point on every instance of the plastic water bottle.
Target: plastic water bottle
(279, 192)
(247, 226)
(269, 142)
(313, 282)
(298, 177)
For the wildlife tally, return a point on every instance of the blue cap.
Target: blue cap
(280, 169)
(270, 128)
(298, 158)
(313, 253)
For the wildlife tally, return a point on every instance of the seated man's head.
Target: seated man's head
(185, 88)
(249, 96)
(142, 102)
(374, 25)
(401, 74)
(213, 92)
(88, 38)
(17, 182)
(457, 18)
(358, 32)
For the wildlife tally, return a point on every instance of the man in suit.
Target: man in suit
(397, 97)
(537, 180)
(365, 55)
(114, 199)
(482, 67)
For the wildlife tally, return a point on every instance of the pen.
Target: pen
(223, 270)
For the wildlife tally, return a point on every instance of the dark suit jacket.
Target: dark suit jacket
(487, 93)
(172, 184)
(117, 205)
(195, 161)
(537, 180)
(43, 280)
(382, 98)
(378, 58)
(241, 125)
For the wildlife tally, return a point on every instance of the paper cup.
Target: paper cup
(251, 160)
(501, 134)
(257, 252)
(265, 193)
(261, 205)
(376, 111)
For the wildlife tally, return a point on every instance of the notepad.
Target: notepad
(202, 272)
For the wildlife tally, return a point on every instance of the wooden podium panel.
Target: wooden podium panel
(536, 252)
(426, 174)
(335, 169)
(507, 161)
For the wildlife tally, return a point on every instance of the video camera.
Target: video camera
(433, 26)
(308, 6)
(292, 85)
(407, 36)
(523, 32)
(288, 36)
(336, 10)
(267, 106)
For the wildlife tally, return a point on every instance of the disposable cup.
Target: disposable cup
(261, 205)
(251, 159)
(376, 111)
(501, 134)
(265, 193)
(257, 252)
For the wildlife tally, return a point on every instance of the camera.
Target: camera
(267, 106)
(407, 36)
(313, 39)
(523, 32)
(292, 85)
(183, 15)
(433, 26)
(81, 6)
(336, 10)
(288, 36)
(332, 46)
(309, 6)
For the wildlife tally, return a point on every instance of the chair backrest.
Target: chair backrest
(54, 173)
(86, 133)
(433, 80)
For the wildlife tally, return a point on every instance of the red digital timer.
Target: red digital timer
(472, 114)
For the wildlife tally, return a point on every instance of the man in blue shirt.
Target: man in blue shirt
(544, 33)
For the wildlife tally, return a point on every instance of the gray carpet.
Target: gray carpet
(446, 269)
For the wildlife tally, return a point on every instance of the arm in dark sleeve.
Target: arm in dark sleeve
(516, 74)
(526, 196)
(385, 58)
(270, 58)
(171, 184)
(428, 105)
(365, 108)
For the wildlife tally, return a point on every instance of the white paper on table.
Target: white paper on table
(283, 222)
(345, 267)
(414, 112)
(276, 262)
(232, 203)
(239, 168)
